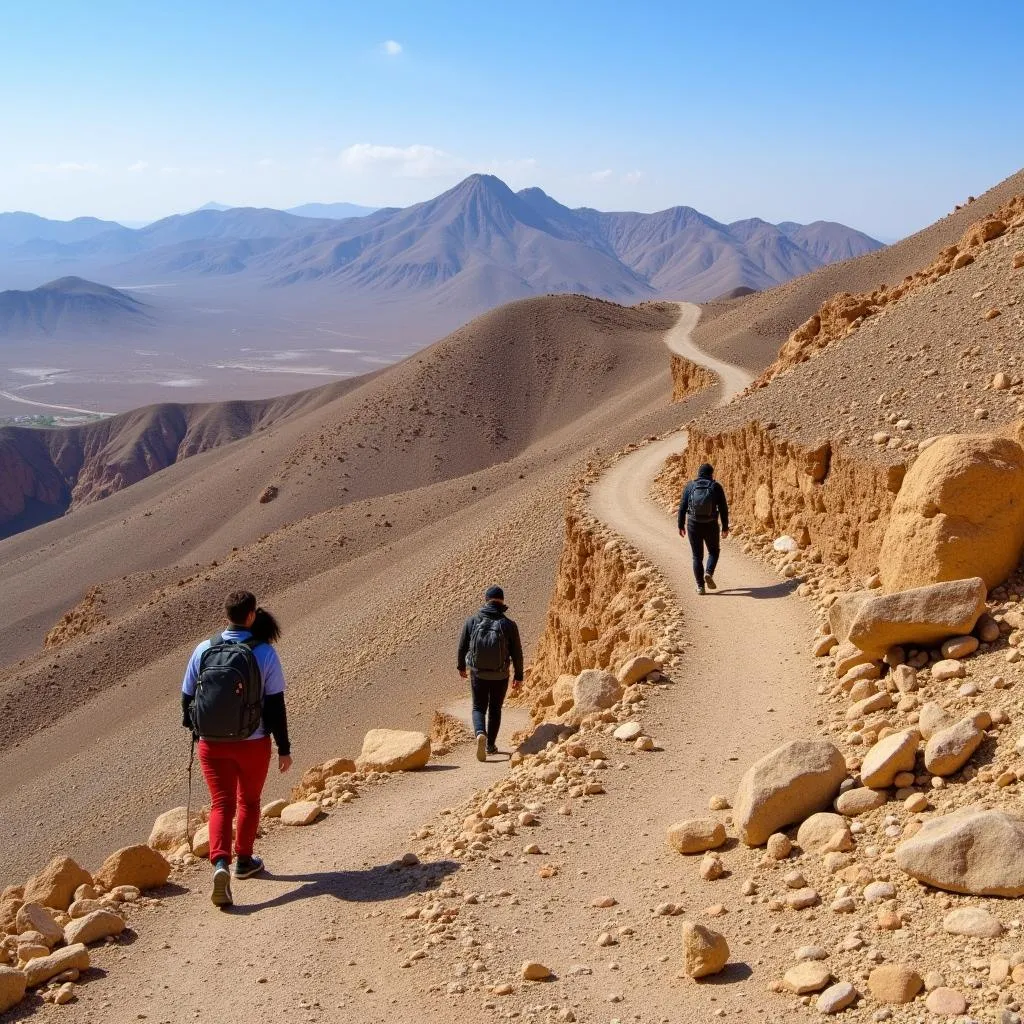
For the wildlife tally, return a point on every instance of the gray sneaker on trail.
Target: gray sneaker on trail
(481, 747)
(221, 894)
(709, 581)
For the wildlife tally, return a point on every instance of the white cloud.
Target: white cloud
(139, 165)
(391, 48)
(601, 175)
(401, 162)
(67, 167)
(265, 162)
(632, 177)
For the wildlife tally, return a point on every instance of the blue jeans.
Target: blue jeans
(488, 696)
(699, 535)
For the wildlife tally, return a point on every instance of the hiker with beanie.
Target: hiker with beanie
(232, 700)
(489, 641)
(701, 506)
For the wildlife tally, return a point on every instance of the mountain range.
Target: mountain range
(472, 247)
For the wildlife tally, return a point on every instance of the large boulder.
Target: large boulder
(973, 851)
(55, 885)
(786, 786)
(959, 513)
(874, 622)
(141, 866)
(394, 750)
(12, 987)
(594, 690)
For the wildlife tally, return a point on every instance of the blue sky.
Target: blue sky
(881, 115)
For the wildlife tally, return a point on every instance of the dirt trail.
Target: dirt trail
(322, 937)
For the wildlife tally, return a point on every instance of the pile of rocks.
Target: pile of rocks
(48, 924)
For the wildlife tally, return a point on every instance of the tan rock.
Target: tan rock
(905, 678)
(338, 766)
(394, 750)
(836, 998)
(201, 840)
(779, 846)
(960, 646)
(875, 622)
(69, 958)
(12, 987)
(966, 852)
(947, 669)
(819, 831)
(945, 1002)
(303, 812)
(932, 719)
(849, 656)
(533, 970)
(34, 917)
(594, 690)
(140, 866)
(894, 983)
(55, 885)
(959, 513)
(858, 801)
(9, 916)
(786, 786)
(711, 867)
(95, 926)
(169, 830)
(636, 669)
(806, 977)
(273, 809)
(705, 952)
(951, 748)
(888, 757)
(974, 922)
(695, 835)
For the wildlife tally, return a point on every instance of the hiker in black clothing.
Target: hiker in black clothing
(489, 641)
(700, 507)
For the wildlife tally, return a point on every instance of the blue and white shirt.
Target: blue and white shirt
(266, 657)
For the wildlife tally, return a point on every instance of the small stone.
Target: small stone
(534, 970)
(945, 1002)
(696, 835)
(779, 846)
(801, 899)
(878, 892)
(705, 952)
(807, 976)
(972, 921)
(894, 983)
(836, 998)
(859, 800)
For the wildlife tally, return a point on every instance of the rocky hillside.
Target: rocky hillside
(69, 307)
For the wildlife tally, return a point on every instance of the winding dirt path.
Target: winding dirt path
(322, 938)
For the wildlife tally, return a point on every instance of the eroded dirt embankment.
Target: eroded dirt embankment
(689, 378)
(821, 495)
(608, 605)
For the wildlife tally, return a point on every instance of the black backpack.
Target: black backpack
(703, 507)
(488, 646)
(228, 703)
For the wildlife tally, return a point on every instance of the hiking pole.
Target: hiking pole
(188, 802)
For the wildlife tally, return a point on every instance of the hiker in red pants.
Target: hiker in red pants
(232, 699)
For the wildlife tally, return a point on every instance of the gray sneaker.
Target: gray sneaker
(709, 581)
(701, 590)
(481, 746)
(221, 895)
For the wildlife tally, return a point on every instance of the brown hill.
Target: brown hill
(752, 332)
(70, 306)
(397, 501)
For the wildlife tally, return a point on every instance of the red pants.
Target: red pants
(235, 772)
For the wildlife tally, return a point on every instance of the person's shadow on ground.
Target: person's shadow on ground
(783, 589)
(372, 885)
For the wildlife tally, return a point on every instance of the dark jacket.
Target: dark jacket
(721, 506)
(493, 610)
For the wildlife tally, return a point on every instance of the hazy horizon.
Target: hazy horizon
(781, 116)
